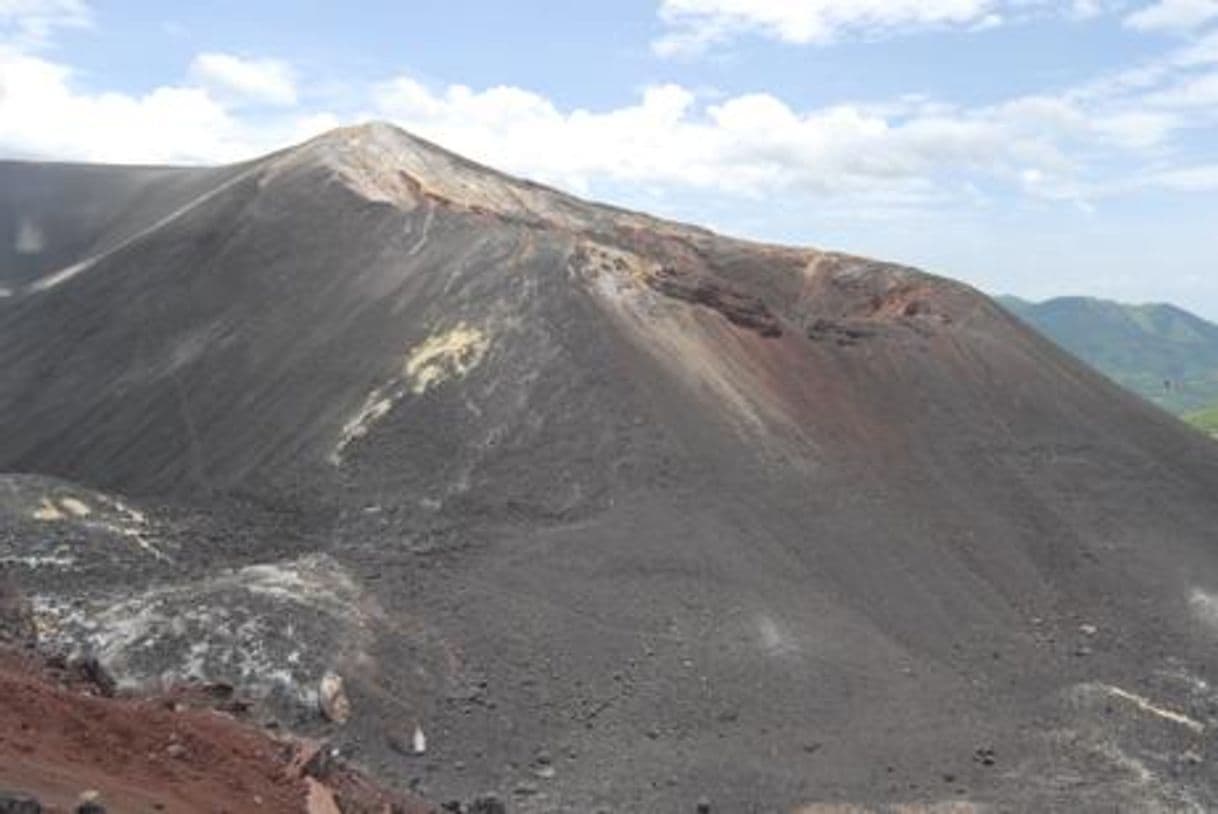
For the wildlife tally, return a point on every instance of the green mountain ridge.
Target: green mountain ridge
(1205, 420)
(1159, 351)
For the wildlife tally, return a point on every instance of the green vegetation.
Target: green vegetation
(1206, 420)
(1162, 352)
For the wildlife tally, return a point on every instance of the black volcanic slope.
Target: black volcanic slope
(619, 513)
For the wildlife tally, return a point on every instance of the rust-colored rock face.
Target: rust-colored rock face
(620, 513)
(177, 752)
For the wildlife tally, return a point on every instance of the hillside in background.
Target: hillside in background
(1205, 419)
(1161, 352)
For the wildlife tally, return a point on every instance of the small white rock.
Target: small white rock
(333, 700)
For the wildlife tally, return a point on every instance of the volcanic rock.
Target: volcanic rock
(16, 803)
(90, 803)
(319, 799)
(92, 672)
(488, 804)
(17, 625)
(333, 700)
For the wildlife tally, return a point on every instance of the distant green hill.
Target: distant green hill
(1206, 420)
(1160, 351)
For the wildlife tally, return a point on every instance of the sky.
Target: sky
(1033, 147)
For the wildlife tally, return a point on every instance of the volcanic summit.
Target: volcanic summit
(617, 512)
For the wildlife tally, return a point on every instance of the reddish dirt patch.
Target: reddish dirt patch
(140, 754)
(59, 737)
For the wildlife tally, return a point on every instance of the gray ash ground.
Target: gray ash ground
(617, 513)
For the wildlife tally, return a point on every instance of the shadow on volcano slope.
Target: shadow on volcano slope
(619, 512)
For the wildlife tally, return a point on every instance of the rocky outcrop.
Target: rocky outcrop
(739, 308)
(17, 625)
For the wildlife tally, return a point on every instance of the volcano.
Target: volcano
(611, 513)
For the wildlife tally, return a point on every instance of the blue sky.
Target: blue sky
(1038, 147)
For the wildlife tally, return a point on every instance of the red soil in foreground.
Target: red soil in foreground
(59, 737)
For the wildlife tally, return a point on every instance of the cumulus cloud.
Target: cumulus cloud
(42, 115)
(912, 151)
(266, 81)
(217, 112)
(1173, 15)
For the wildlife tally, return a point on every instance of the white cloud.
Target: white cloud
(43, 116)
(909, 152)
(1173, 15)
(1197, 91)
(1086, 9)
(695, 25)
(1202, 178)
(29, 22)
(1136, 129)
(1202, 52)
(525, 132)
(266, 81)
